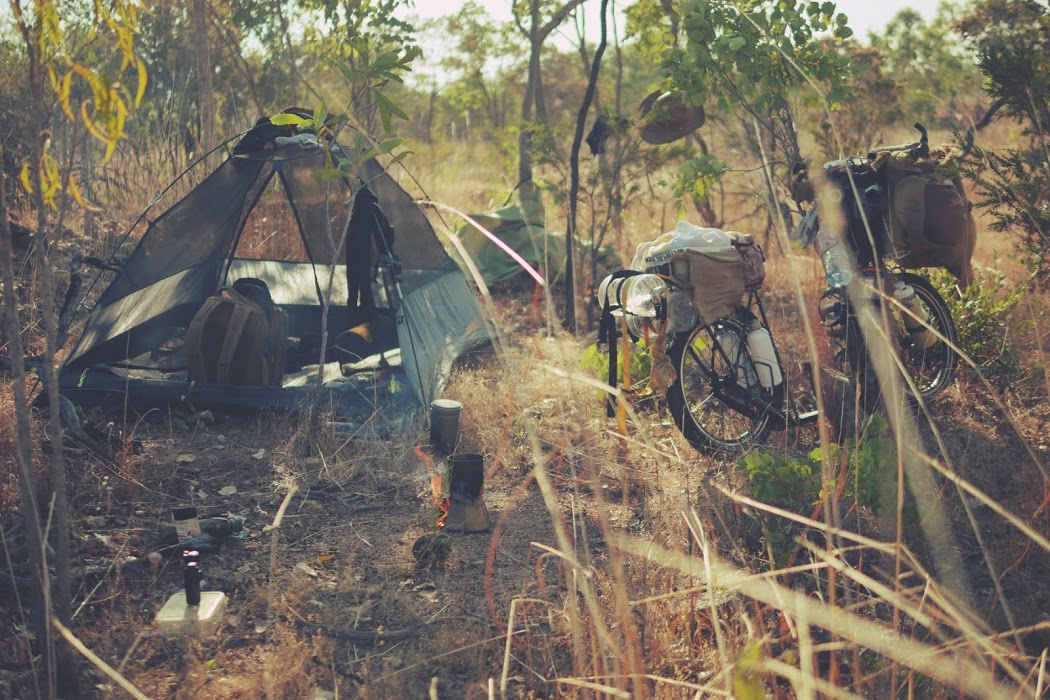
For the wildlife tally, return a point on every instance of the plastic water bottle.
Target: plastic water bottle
(637, 295)
(681, 314)
(764, 356)
(916, 322)
(838, 268)
(745, 371)
(638, 298)
(609, 291)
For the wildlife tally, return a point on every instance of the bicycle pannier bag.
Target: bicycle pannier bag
(931, 224)
(717, 266)
(238, 337)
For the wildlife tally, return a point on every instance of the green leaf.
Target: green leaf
(350, 75)
(328, 174)
(384, 61)
(338, 119)
(390, 144)
(288, 119)
(386, 109)
(747, 680)
(320, 115)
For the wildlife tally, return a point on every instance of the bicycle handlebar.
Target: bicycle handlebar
(915, 150)
(802, 190)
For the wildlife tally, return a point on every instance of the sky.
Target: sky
(864, 15)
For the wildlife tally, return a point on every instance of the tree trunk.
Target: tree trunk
(574, 173)
(428, 125)
(39, 613)
(59, 665)
(524, 136)
(537, 34)
(205, 94)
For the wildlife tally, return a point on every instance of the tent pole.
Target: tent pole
(377, 231)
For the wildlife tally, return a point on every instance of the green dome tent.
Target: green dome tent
(261, 214)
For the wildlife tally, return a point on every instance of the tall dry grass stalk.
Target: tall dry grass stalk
(892, 630)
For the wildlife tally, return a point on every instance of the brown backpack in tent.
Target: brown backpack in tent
(233, 340)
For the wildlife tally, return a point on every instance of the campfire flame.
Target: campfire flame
(436, 484)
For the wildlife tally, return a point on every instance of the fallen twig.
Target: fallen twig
(363, 636)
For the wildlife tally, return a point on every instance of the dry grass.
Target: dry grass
(617, 566)
(693, 635)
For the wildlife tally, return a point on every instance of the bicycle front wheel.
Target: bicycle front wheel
(927, 339)
(704, 419)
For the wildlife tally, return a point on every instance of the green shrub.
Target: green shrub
(872, 464)
(982, 319)
(597, 360)
(794, 483)
(1011, 41)
(788, 481)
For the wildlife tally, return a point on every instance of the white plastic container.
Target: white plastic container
(745, 371)
(764, 358)
(177, 619)
(916, 322)
(187, 525)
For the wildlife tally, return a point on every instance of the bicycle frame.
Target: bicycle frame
(752, 400)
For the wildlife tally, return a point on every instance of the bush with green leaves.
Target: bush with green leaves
(640, 362)
(982, 315)
(794, 483)
(1011, 39)
(1014, 188)
(784, 480)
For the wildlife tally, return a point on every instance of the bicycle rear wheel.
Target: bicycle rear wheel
(706, 421)
(926, 351)
(929, 358)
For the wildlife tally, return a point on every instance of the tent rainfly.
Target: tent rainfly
(401, 310)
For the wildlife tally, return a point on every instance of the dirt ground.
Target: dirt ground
(346, 561)
(351, 595)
